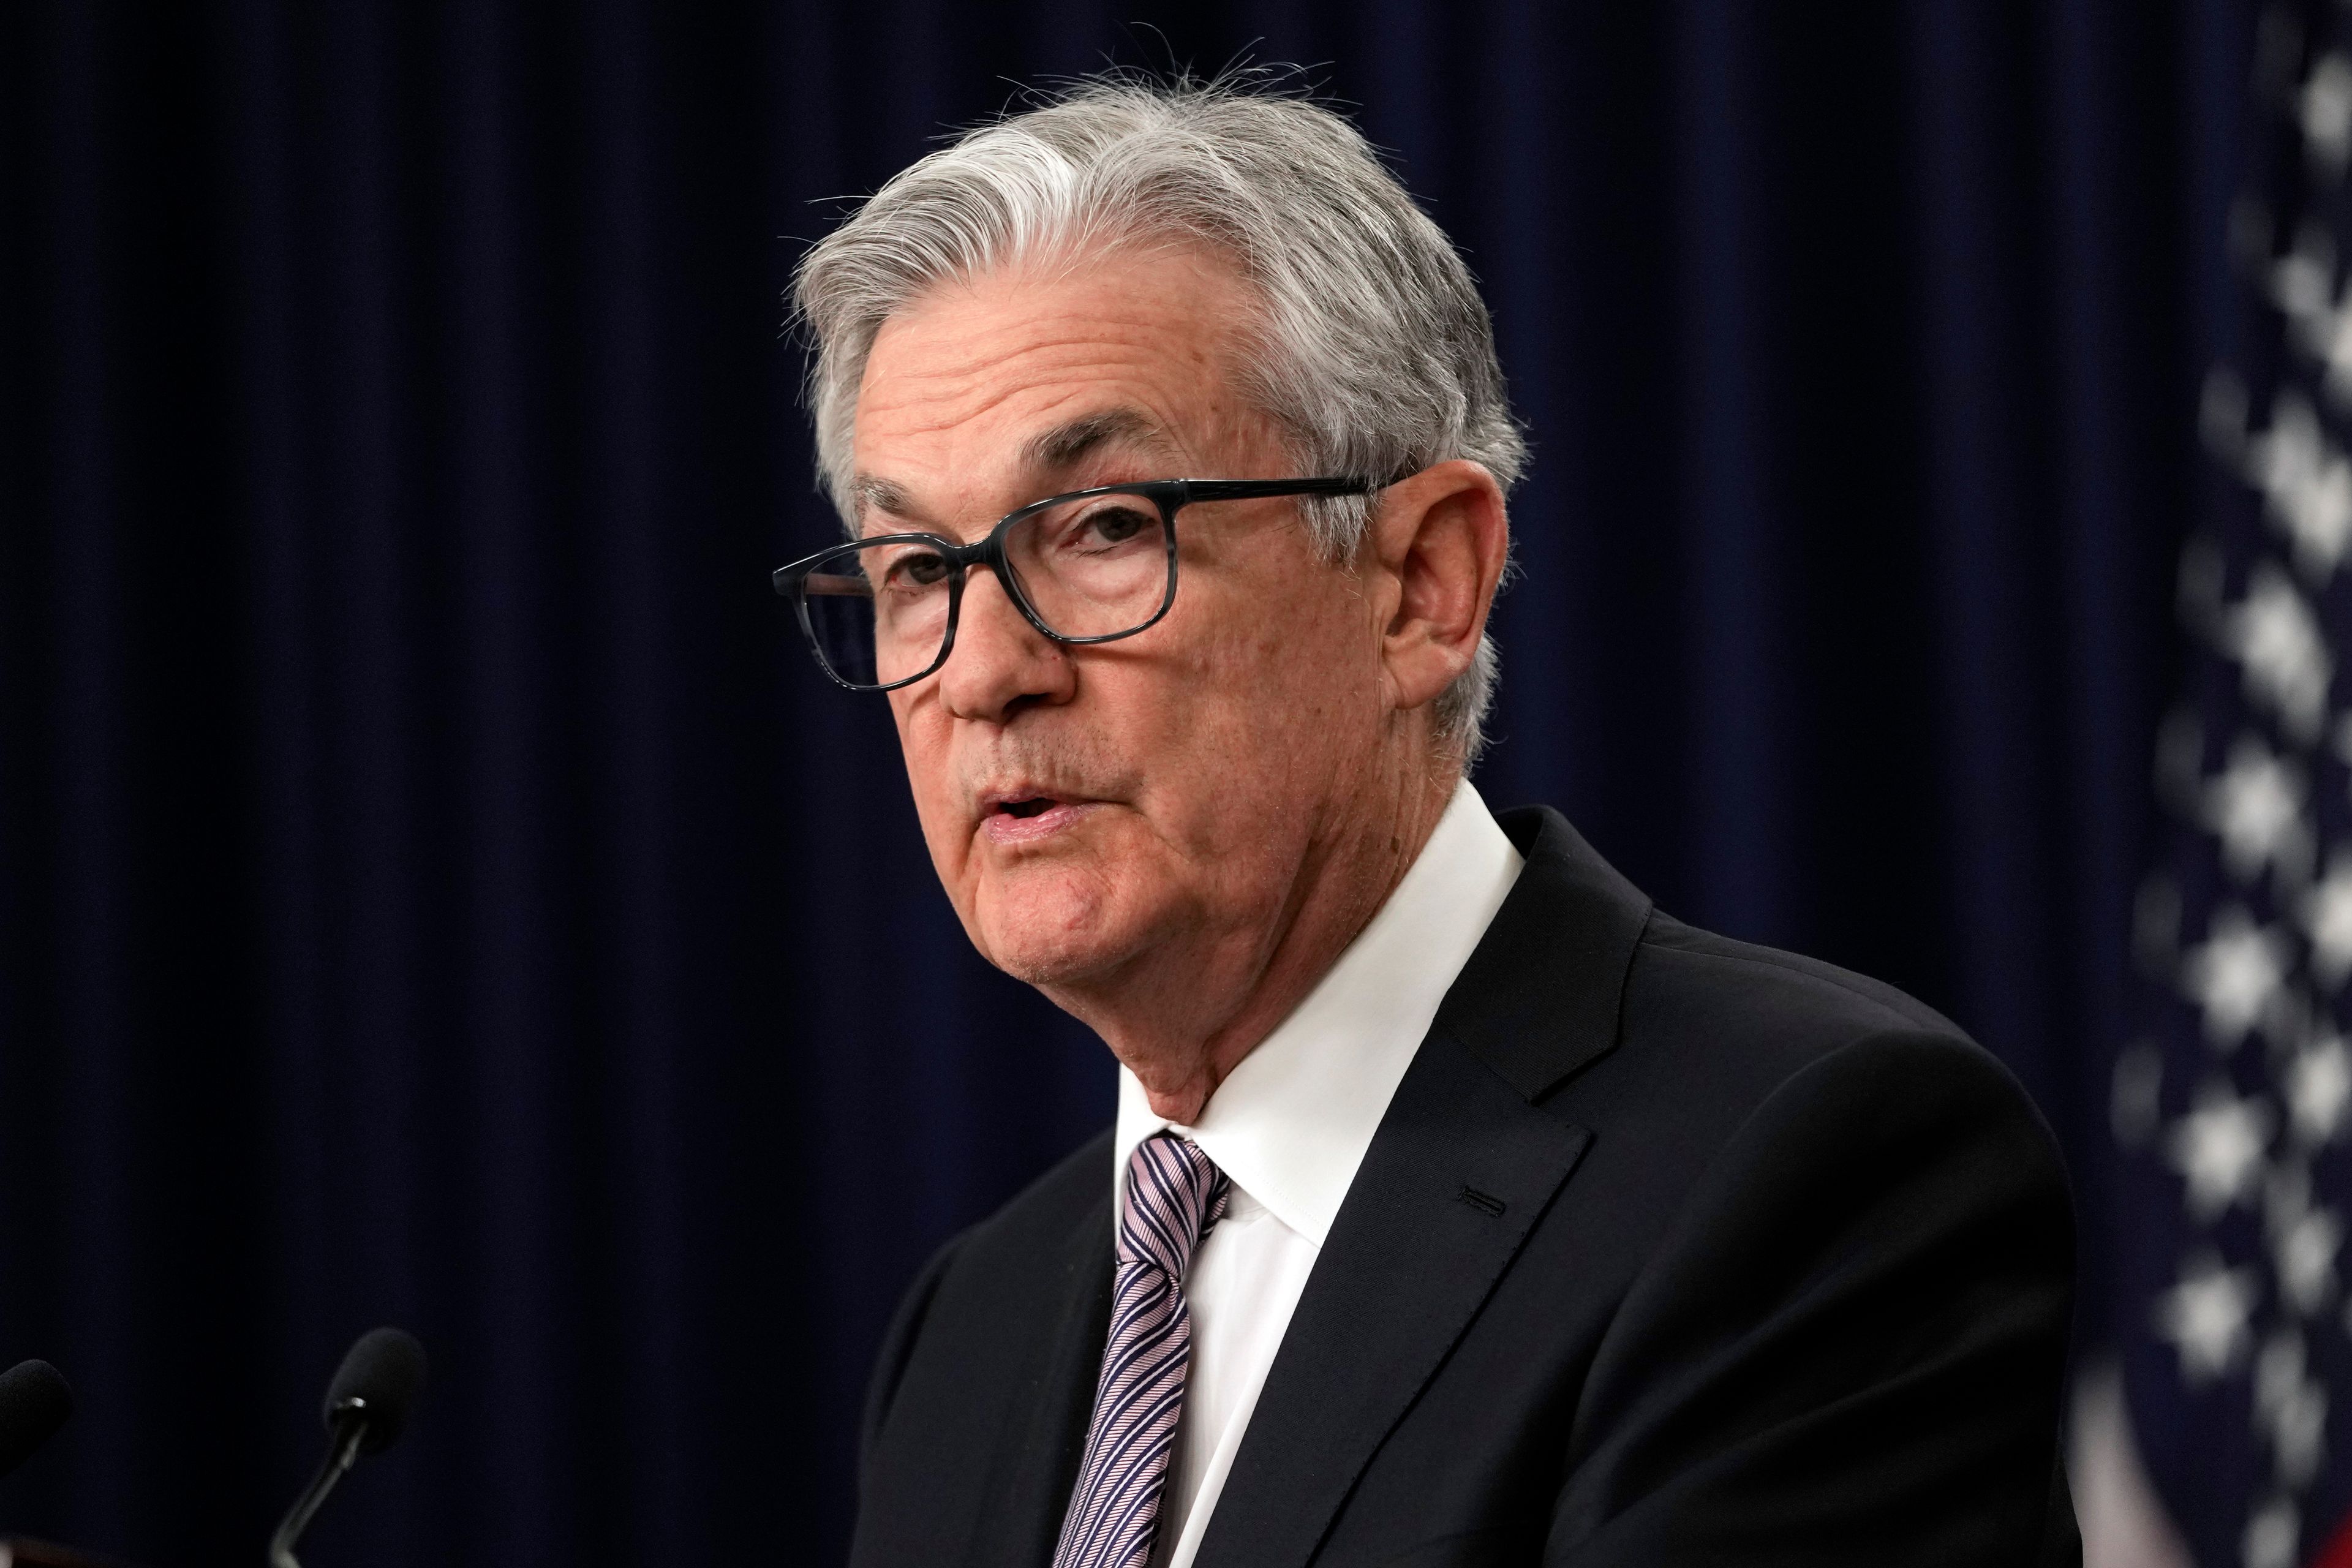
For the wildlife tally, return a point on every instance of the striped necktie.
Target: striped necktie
(1174, 1195)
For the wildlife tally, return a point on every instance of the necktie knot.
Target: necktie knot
(1175, 1196)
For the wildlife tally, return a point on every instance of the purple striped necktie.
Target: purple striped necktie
(1174, 1195)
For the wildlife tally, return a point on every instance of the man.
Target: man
(1462, 1207)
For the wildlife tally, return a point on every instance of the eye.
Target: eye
(1111, 525)
(918, 569)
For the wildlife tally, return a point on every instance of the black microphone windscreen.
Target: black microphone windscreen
(386, 1370)
(34, 1400)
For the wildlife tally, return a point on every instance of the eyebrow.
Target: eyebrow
(1050, 452)
(1060, 448)
(881, 495)
(1065, 445)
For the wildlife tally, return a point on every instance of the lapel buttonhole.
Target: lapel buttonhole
(1486, 1203)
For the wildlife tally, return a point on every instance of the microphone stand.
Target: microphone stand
(343, 1453)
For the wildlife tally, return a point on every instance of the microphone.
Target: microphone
(367, 1406)
(34, 1400)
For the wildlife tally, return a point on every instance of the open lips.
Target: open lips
(1021, 818)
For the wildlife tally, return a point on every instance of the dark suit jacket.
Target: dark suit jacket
(1669, 1250)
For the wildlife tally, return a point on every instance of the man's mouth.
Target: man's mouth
(1019, 818)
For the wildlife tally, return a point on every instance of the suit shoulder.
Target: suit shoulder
(1043, 1216)
(1711, 1030)
(1768, 986)
(956, 1389)
(1003, 1270)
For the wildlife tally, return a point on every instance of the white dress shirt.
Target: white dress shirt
(1290, 1126)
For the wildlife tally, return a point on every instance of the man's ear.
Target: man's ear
(1438, 541)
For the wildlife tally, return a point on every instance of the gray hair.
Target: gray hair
(1374, 353)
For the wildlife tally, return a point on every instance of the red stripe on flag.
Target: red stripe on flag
(2338, 1553)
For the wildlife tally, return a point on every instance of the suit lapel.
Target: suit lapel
(1462, 1166)
(1458, 1174)
(1540, 998)
(1031, 1489)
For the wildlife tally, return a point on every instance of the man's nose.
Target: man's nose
(1001, 662)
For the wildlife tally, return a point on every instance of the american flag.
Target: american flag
(2231, 1109)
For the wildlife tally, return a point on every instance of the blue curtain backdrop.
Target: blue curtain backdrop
(434, 888)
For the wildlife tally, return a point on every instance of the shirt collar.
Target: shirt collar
(1291, 1122)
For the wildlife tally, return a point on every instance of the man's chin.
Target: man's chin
(1055, 961)
(1053, 941)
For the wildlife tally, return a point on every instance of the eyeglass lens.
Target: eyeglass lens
(1090, 567)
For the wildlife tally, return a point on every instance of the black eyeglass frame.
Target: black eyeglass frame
(1170, 496)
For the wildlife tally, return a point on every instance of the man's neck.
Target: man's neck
(1181, 1021)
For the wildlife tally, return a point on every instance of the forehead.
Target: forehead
(973, 371)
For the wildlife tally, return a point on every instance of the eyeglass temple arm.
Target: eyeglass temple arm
(786, 579)
(1256, 489)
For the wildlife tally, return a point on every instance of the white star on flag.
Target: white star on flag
(2324, 108)
(2302, 284)
(2205, 1317)
(2233, 976)
(2218, 1149)
(2273, 1532)
(2306, 1259)
(2327, 911)
(2304, 1239)
(2273, 636)
(2293, 1407)
(2303, 280)
(2304, 480)
(2318, 1088)
(2256, 807)
(2332, 341)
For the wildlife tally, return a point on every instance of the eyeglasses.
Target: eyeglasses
(1091, 566)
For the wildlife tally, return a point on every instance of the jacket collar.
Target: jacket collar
(1541, 996)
